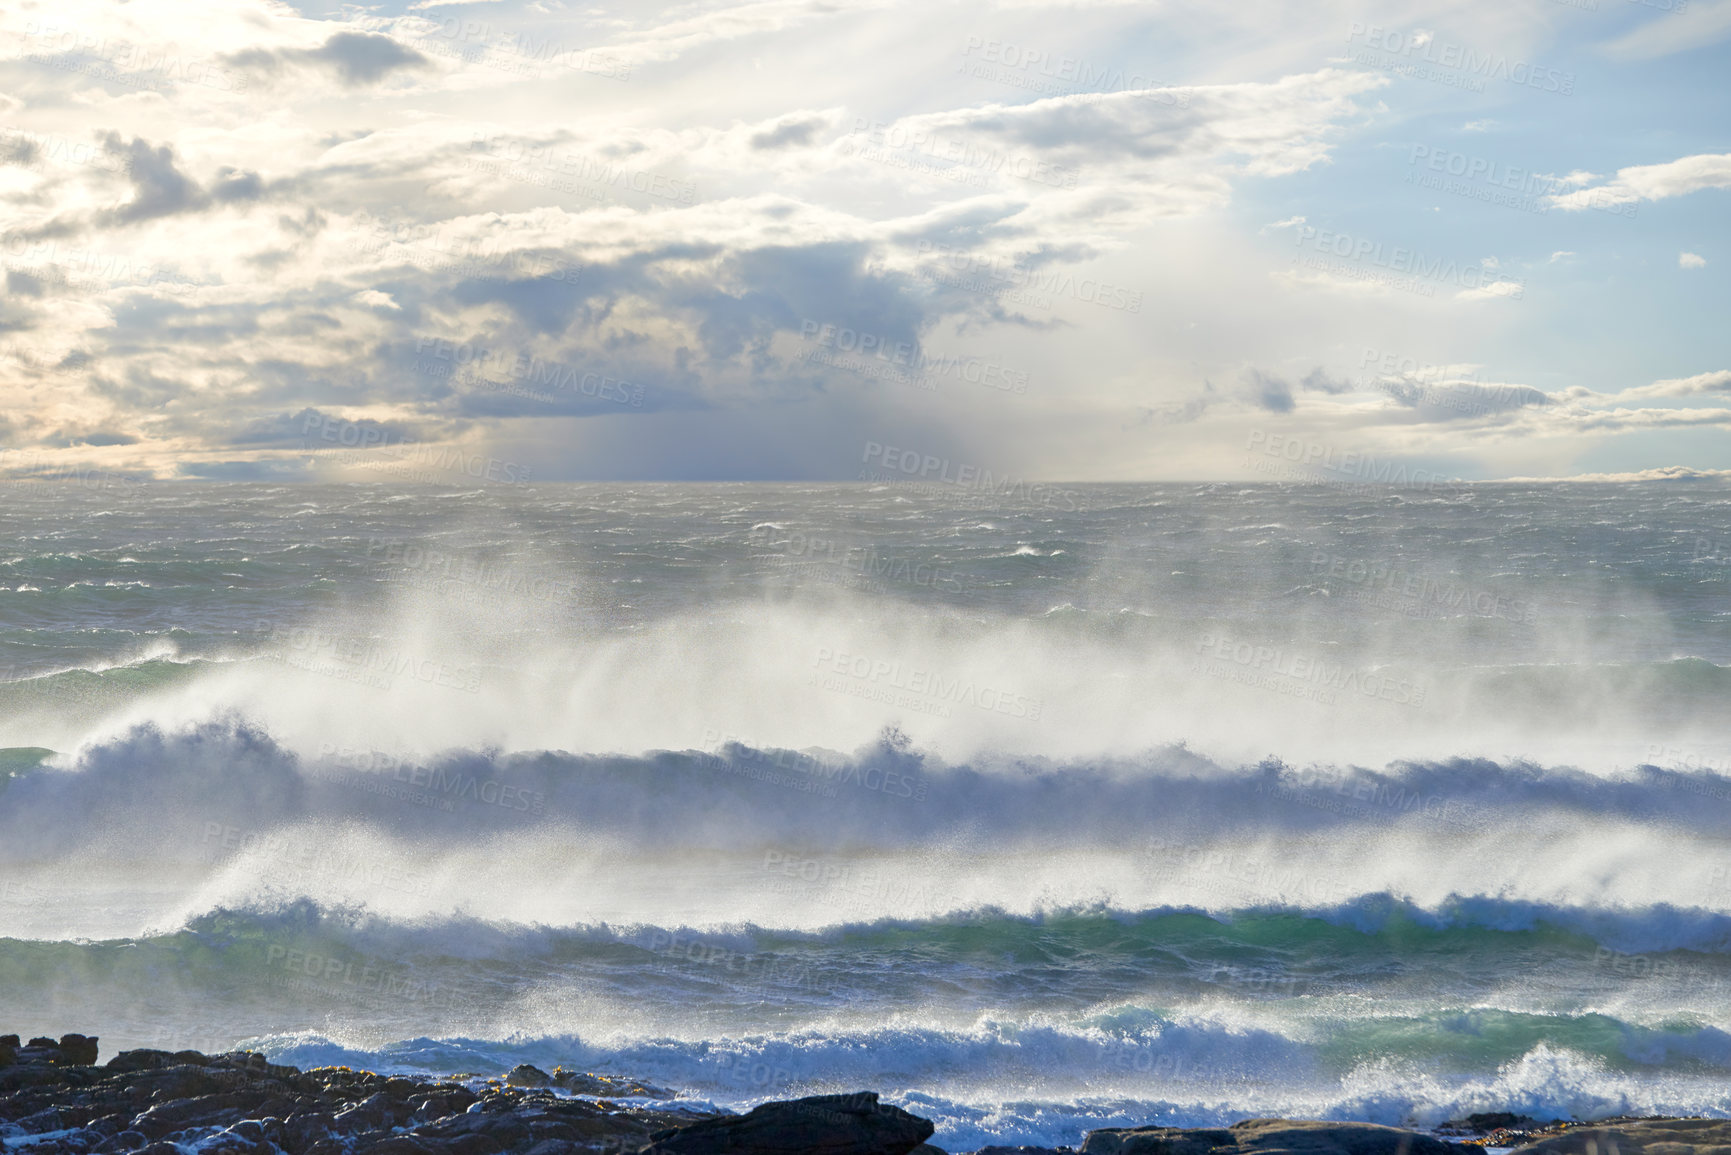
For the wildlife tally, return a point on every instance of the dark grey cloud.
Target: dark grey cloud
(356, 59)
(307, 428)
(1450, 401)
(1268, 391)
(790, 131)
(99, 437)
(1318, 381)
(161, 189)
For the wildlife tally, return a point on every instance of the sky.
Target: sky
(791, 240)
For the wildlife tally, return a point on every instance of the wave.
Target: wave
(224, 814)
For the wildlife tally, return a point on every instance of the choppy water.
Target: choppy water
(1034, 810)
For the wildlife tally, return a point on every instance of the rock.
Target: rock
(854, 1124)
(1489, 1121)
(1271, 1137)
(1016, 1151)
(1657, 1136)
(157, 1102)
(527, 1075)
(606, 1086)
(77, 1051)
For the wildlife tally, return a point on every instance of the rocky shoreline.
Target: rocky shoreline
(56, 1100)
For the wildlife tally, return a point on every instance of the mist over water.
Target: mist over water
(1115, 803)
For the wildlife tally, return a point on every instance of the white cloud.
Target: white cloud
(1691, 261)
(1698, 24)
(1653, 182)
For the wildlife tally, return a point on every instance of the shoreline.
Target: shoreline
(57, 1099)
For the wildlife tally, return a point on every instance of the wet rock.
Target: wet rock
(606, 1086)
(526, 1075)
(1635, 1137)
(1271, 1137)
(855, 1124)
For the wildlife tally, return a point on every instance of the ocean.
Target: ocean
(1034, 808)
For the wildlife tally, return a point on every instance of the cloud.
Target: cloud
(1652, 182)
(1701, 384)
(799, 130)
(1269, 392)
(1495, 291)
(356, 59)
(1699, 24)
(1691, 261)
(1663, 473)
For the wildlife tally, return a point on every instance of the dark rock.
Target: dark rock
(77, 1050)
(1497, 1121)
(854, 1124)
(156, 1102)
(1271, 1137)
(526, 1075)
(1637, 1136)
(606, 1086)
